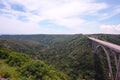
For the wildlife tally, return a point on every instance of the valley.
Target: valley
(66, 57)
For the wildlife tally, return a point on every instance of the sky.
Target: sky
(59, 16)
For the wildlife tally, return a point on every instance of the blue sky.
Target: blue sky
(59, 16)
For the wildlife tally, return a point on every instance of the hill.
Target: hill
(18, 66)
(71, 54)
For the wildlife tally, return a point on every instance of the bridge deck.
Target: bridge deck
(107, 44)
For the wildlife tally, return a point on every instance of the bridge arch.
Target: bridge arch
(109, 48)
(108, 59)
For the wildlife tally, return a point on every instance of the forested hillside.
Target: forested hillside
(18, 66)
(70, 54)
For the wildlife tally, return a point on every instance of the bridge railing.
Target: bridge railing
(107, 44)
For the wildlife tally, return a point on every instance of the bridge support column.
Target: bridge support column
(118, 70)
(115, 58)
(107, 52)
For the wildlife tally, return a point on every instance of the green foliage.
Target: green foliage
(4, 53)
(8, 72)
(38, 70)
(71, 54)
(16, 59)
(22, 67)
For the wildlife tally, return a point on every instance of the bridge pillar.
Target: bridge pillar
(107, 52)
(118, 70)
(115, 59)
(94, 44)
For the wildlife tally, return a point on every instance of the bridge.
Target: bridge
(109, 49)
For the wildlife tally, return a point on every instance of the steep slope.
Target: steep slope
(71, 54)
(16, 66)
(66, 52)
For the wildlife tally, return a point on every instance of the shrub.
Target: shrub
(38, 70)
(4, 53)
(17, 59)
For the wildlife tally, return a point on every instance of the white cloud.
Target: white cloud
(110, 28)
(73, 8)
(114, 11)
(65, 13)
(15, 26)
(72, 23)
(56, 9)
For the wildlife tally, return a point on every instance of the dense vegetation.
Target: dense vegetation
(18, 66)
(70, 55)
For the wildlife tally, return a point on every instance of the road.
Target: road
(107, 44)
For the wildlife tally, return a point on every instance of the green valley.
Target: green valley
(49, 57)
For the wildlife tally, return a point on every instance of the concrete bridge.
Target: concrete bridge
(109, 48)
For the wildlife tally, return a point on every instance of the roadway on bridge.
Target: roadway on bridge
(107, 44)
